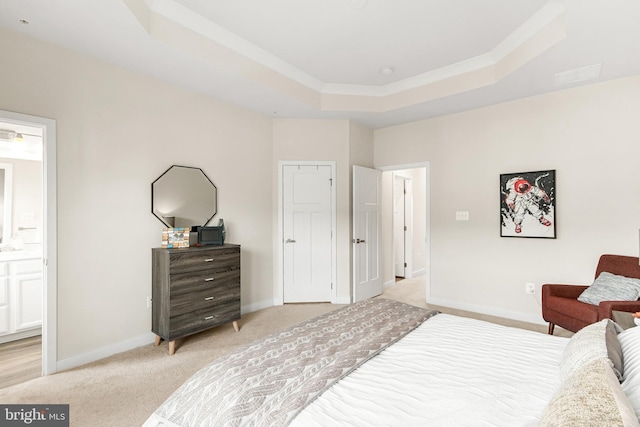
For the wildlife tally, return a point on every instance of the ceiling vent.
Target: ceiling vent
(577, 75)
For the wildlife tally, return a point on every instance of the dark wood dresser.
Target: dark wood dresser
(194, 289)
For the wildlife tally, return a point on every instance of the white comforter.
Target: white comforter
(450, 371)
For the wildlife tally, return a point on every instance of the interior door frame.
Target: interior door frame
(278, 293)
(427, 167)
(49, 244)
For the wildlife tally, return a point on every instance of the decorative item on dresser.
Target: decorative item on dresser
(194, 289)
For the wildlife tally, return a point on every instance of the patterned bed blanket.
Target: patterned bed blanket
(268, 382)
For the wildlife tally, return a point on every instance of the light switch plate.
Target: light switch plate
(462, 216)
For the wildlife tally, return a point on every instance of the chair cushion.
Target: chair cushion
(611, 287)
(587, 313)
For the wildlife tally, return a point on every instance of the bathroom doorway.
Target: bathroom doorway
(27, 247)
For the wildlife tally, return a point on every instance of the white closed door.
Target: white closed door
(307, 233)
(367, 214)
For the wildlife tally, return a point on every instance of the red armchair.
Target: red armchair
(561, 307)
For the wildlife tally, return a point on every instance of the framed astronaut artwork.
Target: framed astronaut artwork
(528, 204)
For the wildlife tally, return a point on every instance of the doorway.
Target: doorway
(27, 256)
(406, 232)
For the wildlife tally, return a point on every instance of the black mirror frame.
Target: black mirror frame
(187, 167)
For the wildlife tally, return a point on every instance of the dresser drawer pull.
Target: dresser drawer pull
(209, 298)
(209, 279)
(208, 260)
(208, 318)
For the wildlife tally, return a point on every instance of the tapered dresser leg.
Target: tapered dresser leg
(235, 326)
(158, 339)
(172, 347)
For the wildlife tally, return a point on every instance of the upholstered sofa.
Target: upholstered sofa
(560, 304)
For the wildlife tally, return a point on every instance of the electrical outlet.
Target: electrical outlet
(530, 288)
(148, 302)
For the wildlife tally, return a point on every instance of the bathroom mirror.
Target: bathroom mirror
(184, 196)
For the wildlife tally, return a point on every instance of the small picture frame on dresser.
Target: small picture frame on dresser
(175, 237)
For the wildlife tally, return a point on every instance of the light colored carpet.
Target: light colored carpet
(124, 389)
(412, 291)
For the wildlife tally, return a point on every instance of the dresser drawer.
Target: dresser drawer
(196, 280)
(205, 318)
(202, 260)
(183, 303)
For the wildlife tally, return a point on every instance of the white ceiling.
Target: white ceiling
(322, 58)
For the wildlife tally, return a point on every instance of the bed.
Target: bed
(382, 362)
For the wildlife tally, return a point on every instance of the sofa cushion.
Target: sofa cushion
(611, 287)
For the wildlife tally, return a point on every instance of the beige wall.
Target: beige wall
(116, 132)
(360, 145)
(589, 135)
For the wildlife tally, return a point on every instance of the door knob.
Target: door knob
(289, 241)
(357, 241)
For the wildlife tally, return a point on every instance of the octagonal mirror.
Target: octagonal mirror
(184, 196)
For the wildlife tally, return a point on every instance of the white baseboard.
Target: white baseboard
(388, 284)
(130, 344)
(106, 351)
(343, 300)
(338, 300)
(20, 335)
(250, 308)
(491, 311)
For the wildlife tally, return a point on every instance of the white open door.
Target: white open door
(399, 225)
(367, 215)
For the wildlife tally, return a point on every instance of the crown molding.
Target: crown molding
(182, 28)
